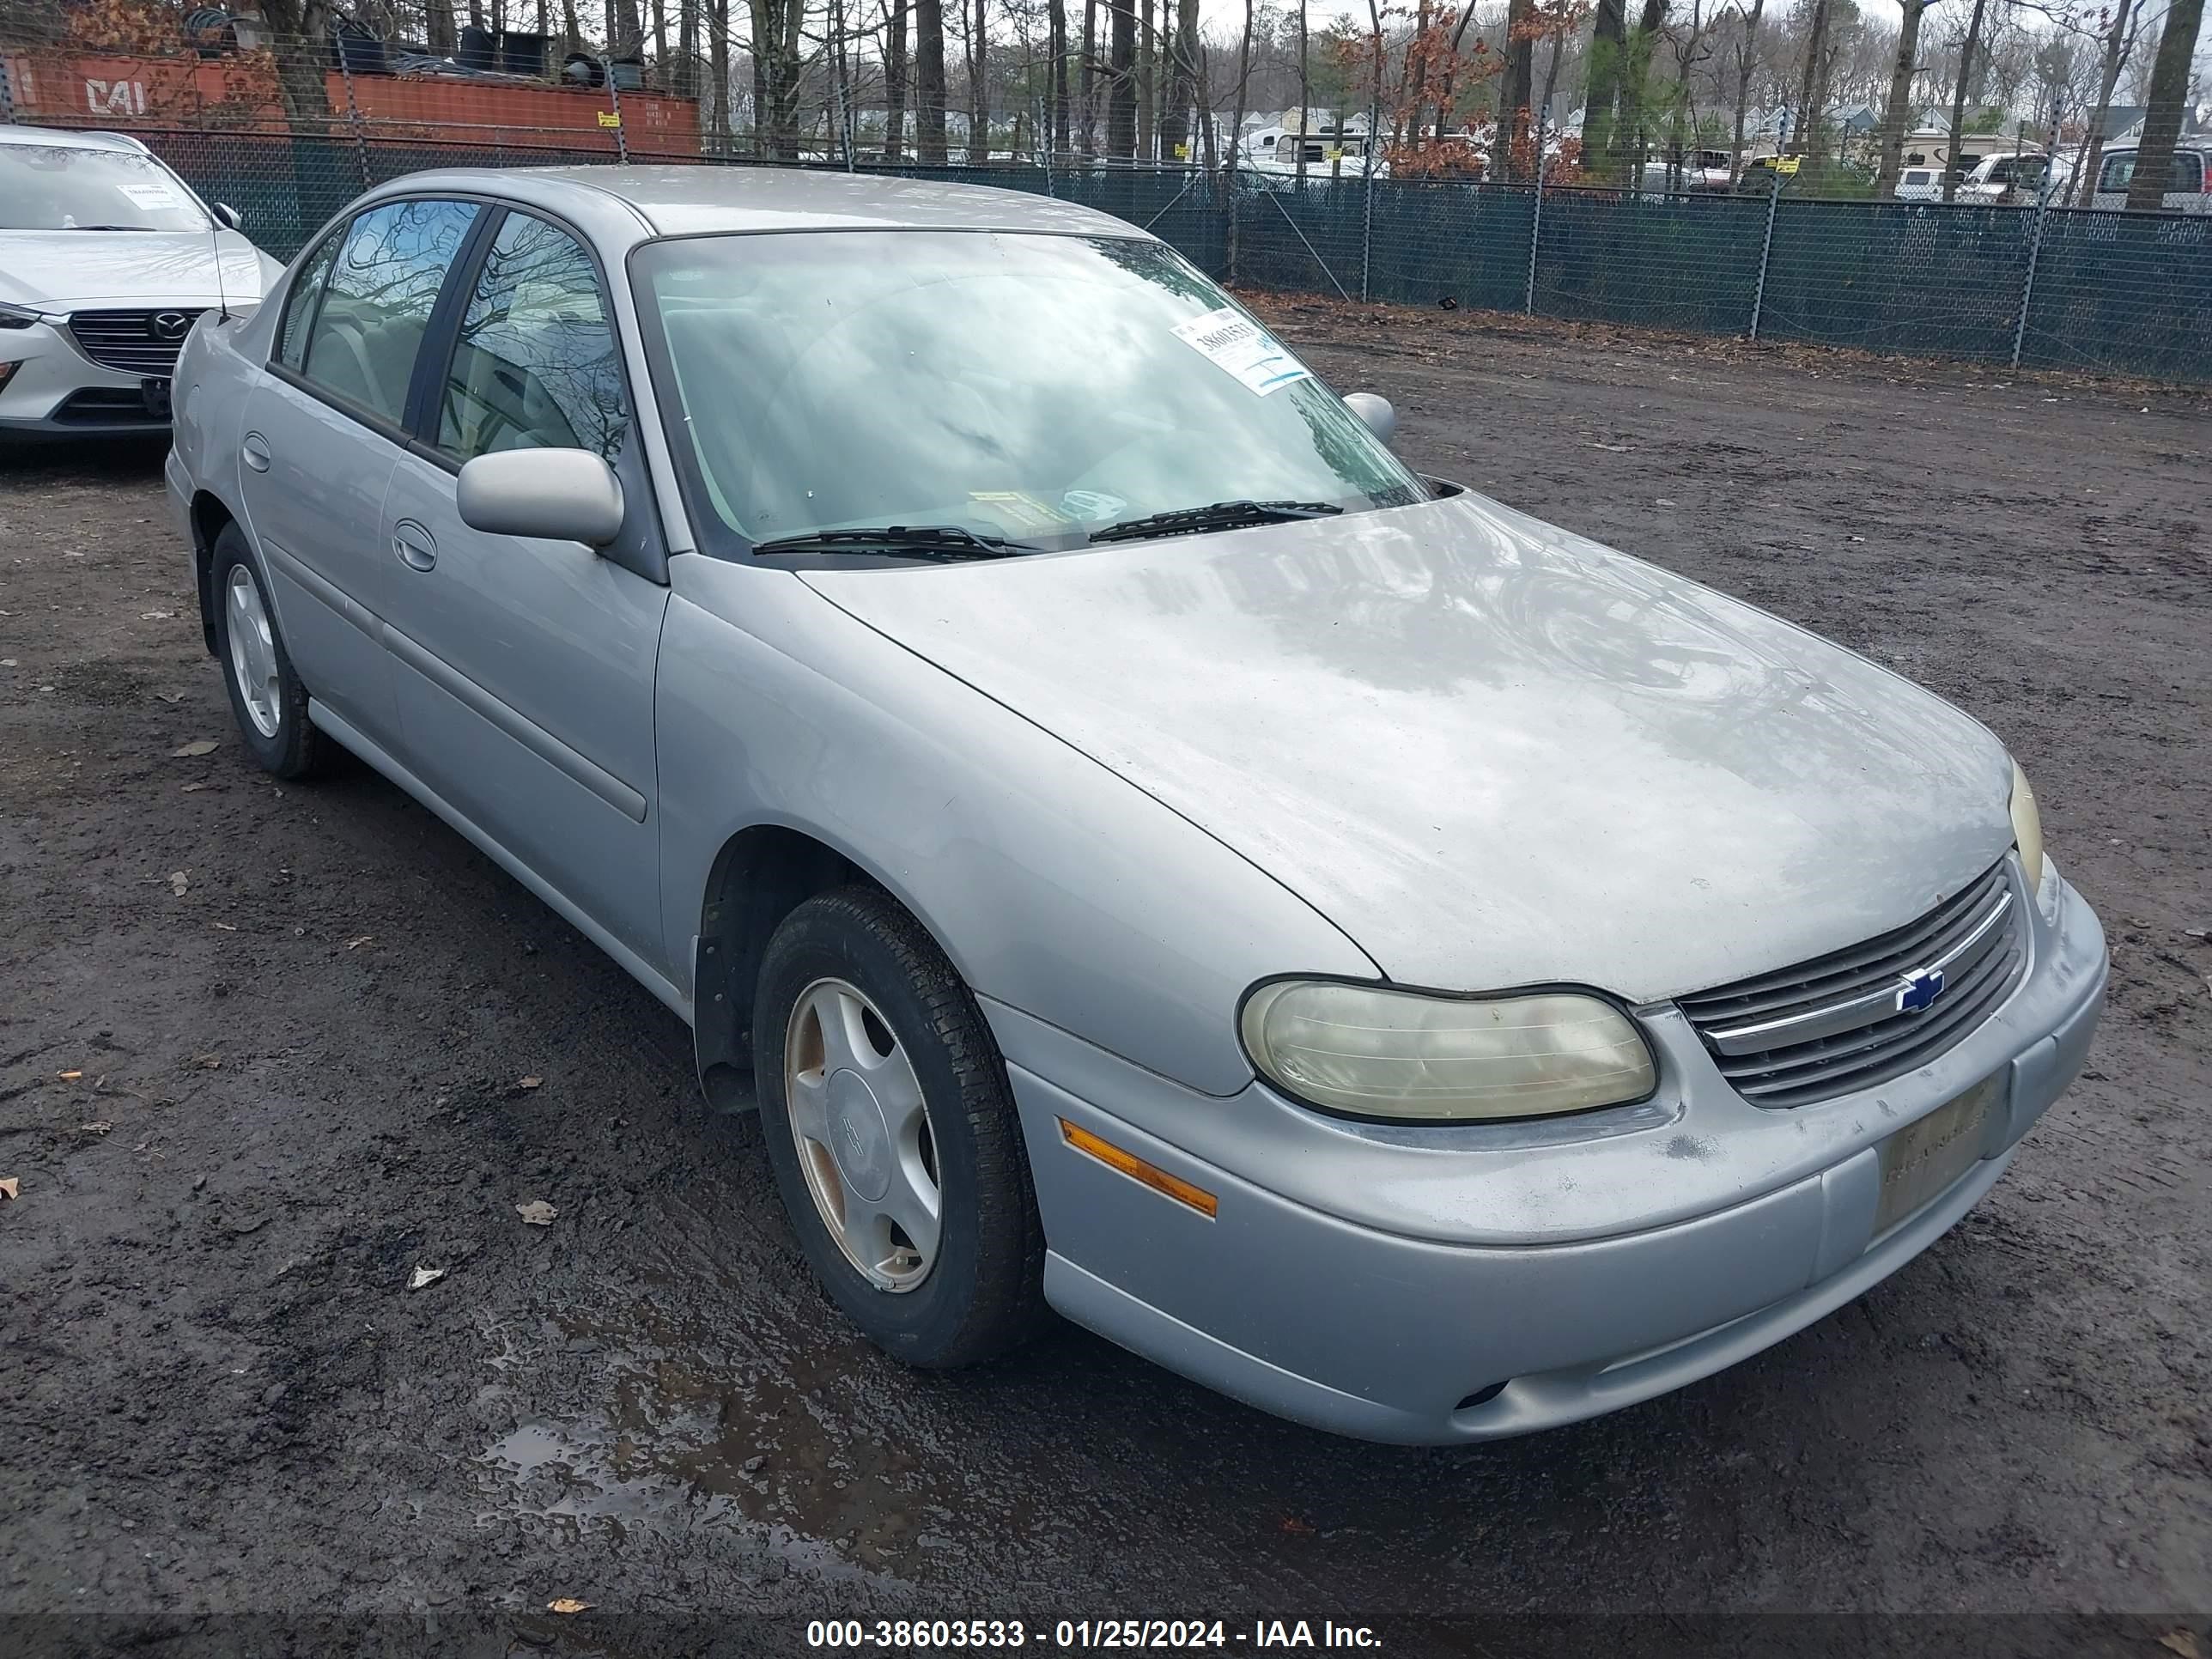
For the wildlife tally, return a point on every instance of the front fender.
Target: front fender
(1054, 886)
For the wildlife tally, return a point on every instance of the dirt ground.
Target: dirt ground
(264, 1051)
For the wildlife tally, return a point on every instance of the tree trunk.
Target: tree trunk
(1087, 79)
(438, 31)
(979, 88)
(1182, 81)
(2169, 98)
(1601, 78)
(1056, 48)
(1236, 132)
(1897, 114)
(895, 80)
(2119, 40)
(929, 82)
(1958, 100)
(1305, 92)
(1635, 76)
(1808, 84)
(1516, 85)
(303, 28)
(1147, 92)
(1121, 87)
(628, 35)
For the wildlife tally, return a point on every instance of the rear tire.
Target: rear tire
(974, 1290)
(266, 698)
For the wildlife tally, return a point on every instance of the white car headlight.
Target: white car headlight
(2026, 828)
(1373, 1053)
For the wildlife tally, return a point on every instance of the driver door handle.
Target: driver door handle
(416, 548)
(255, 448)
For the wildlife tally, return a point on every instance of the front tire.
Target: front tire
(266, 698)
(892, 1132)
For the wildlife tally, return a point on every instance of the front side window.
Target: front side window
(377, 302)
(69, 187)
(2119, 172)
(535, 365)
(1032, 386)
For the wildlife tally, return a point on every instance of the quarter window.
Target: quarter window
(300, 303)
(535, 365)
(377, 305)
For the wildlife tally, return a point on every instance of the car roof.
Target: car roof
(67, 138)
(693, 199)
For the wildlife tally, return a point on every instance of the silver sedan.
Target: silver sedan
(1145, 852)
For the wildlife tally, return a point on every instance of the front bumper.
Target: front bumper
(57, 391)
(1438, 1287)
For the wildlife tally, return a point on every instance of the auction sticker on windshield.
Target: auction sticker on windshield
(1240, 345)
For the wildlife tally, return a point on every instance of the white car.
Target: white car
(2189, 190)
(1920, 185)
(2013, 178)
(107, 259)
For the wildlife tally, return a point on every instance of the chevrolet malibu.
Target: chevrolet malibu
(1145, 852)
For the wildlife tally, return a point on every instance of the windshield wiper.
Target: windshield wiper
(108, 226)
(944, 542)
(1221, 516)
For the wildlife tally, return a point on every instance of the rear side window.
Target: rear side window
(300, 303)
(2187, 172)
(535, 365)
(2119, 170)
(1917, 176)
(377, 301)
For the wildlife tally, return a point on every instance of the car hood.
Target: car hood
(71, 269)
(1491, 752)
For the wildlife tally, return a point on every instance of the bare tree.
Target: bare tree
(1809, 89)
(1896, 113)
(2119, 40)
(1951, 169)
(1182, 84)
(1601, 85)
(1056, 41)
(979, 87)
(1747, 63)
(2169, 97)
(1635, 77)
(1515, 84)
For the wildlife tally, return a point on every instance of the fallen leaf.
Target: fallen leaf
(7, 1187)
(356, 943)
(536, 1213)
(208, 1062)
(69, 1076)
(6, 662)
(99, 1127)
(2183, 1642)
(176, 883)
(191, 787)
(226, 927)
(529, 1082)
(423, 1276)
(170, 696)
(1291, 1523)
(568, 1604)
(155, 615)
(197, 747)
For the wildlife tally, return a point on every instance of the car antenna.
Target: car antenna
(214, 242)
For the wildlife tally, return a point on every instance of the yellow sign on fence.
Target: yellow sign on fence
(610, 118)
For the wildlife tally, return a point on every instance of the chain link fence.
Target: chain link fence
(288, 137)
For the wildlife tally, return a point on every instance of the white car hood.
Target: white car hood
(1491, 752)
(73, 269)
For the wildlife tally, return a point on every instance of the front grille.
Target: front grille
(133, 341)
(101, 405)
(1834, 1025)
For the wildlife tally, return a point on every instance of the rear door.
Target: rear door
(523, 669)
(323, 429)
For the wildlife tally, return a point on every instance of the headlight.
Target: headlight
(1372, 1053)
(2026, 828)
(18, 317)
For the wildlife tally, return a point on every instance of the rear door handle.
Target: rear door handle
(416, 548)
(255, 448)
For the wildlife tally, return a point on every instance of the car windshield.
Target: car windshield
(66, 187)
(1035, 387)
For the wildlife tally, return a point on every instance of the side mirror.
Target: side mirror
(1382, 420)
(226, 215)
(559, 495)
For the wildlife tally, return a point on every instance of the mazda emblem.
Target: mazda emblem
(169, 325)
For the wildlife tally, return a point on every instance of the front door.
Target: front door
(523, 670)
